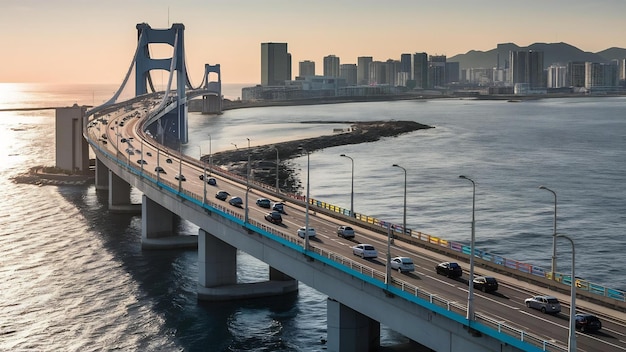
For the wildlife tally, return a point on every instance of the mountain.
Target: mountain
(553, 53)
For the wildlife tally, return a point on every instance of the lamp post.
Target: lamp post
(553, 269)
(180, 168)
(388, 265)
(247, 180)
(571, 345)
(306, 217)
(204, 180)
(404, 214)
(470, 295)
(351, 186)
(277, 163)
(235, 146)
(210, 154)
(141, 158)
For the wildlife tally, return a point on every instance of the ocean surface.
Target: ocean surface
(74, 277)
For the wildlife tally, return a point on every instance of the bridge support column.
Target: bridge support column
(102, 176)
(349, 330)
(119, 195)
(158, 228)
(217, 261)
(217, 274)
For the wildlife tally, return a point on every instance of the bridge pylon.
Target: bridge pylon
(212, 101)
(174, 123)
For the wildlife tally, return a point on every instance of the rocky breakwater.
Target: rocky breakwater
(263, 158)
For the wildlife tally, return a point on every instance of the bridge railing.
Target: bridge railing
(494, 259)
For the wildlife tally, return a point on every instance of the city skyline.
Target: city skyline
(70, 41)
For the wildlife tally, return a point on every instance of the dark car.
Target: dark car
(141, 161)
(279, 207)
(168, 160)
(222, 195)
(588, 322)
(449, 269)
(274, 217)
(486, 283)
(263, 202)
(159, 169)
(210, 180)
(180, 177)
(236, 201)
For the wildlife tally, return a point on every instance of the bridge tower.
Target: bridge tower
(173, 123)
(212, 102)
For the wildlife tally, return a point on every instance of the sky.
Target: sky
(88, 41)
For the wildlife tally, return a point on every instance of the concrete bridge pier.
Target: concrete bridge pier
(217, 274)
(349, 330)
(119, 195)
(158, 228)
(102, 176)
(211, 104)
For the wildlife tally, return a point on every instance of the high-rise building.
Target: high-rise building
(526, 67)
(363, 70)
(420, 70)
(600, 75)
(557, 76)
(575, 74)
(453, 72)
(307, 68)
(405, 64)
(331, 66)
(275, 64)
(437, 71)
(378, 73)
(349, 73)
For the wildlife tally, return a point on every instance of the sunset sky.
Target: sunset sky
(86, 41)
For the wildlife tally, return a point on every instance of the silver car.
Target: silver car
(546, 304)
(402, 264)
(364, 250)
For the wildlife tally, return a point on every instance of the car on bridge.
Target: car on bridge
(274, 217)
(345, 231)
(310, 232)
(279, 207)
(159, 170)
(180, 177)
(365, 250)
(486, 283)
(141, 161)
(546, 304)
(402, 264)
(263, 203)
(210, 180)
(168, 160)
(222, 195)
(449, 269)
(236, 201)
(587, 322)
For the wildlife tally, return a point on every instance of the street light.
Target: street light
(247, 181)
(404, 215)
(210, 154)
(352, 186)
(306, 217)
(553, 269)
(204, 180)
(235, 146)
(571, 346)
(277, 163)
(470, 295)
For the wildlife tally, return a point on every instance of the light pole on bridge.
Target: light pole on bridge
(553, 268)
(306, 216)
(277, 163)
(247, 180)
(470, 294)
(404, 213)
(571, 345)
(351, 186)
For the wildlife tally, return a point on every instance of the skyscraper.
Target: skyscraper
(275, 64)
(363, 70)
(526, 67)
(307, 68)
(405, 64)
(420, 70)
(348, 72)
(437, 71)
(331, 66)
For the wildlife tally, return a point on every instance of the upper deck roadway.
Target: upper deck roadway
(506, 306)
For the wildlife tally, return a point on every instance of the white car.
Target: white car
(345, 231)
(364, 250)
(309, 233)
(402, 264)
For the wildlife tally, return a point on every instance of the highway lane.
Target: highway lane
(506, 305)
